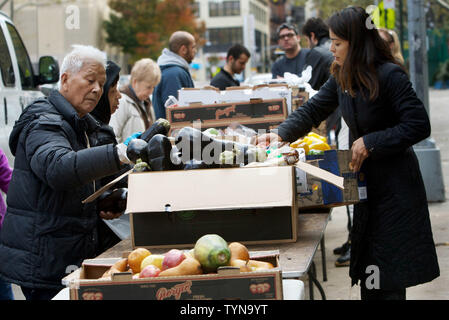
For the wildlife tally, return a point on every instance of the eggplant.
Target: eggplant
(195, 164)
(194, 145)
(113, 201)
(141, 166)
(160, 126)
(136, 150)
(158, 152)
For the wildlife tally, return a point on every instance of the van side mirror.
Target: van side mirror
(48, 70)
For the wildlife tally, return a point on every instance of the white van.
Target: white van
(18, 82)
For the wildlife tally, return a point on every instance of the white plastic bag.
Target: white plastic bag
(120, 226)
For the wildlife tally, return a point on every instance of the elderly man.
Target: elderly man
(47, 231)
(174, 63)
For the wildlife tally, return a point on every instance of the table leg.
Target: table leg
(314, 281)
(311, 297)
(323, 258)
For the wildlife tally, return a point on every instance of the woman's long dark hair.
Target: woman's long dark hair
(367, 50)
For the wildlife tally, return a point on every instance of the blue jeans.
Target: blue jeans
(6, 291)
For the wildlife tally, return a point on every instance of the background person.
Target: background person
(107, 105)
(131, 115)
(236, 60)
(391, 230)
(174, 63)
(294, 59)
(320, 58)
(391, 37)
(5, 177)
(47, 229)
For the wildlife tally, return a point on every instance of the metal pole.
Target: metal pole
(426, 151)
(3, 3)
(11, 15)
(401, 24)
(418, 50)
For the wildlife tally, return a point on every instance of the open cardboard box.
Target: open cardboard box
(248, 205)
(255, 205)
(255, 113)
(228, 283)
(322, 194)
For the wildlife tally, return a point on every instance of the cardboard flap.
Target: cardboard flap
(220, 189)
(72, 280)
(100, 191)
(122, 276)
(322, 174)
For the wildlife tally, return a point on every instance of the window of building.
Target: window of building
(220, 39)
(23, 60)
(6, 68)
(259, 13)
(224, 8)
(196, 9)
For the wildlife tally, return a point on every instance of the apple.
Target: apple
(172, 259)
(149, 271)
(154, 259)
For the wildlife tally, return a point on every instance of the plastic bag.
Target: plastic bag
(171, 101)
(243, 134)
(120, 226)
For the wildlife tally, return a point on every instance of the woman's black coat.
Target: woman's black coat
(102, 136)
(391, 230)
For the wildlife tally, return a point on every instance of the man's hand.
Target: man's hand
(108, 215)
(359, 154)
(267, 138)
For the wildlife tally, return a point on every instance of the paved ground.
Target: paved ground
(338, 285)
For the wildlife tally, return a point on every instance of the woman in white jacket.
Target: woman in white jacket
(135, 113)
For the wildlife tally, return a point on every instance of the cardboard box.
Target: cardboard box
(299, 97)
(210, 95)
(248, 205)
(260, 126)
(321, 194)
(223, 114)
(228, 283)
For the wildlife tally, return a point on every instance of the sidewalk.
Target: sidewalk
(338, 285)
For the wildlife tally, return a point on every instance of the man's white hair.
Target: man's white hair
(73, 61)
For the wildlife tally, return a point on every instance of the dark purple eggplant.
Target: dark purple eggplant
(113, 201)
(193, 144)
(160, 126)
(158, 152)
(195, 164)
(136, 150)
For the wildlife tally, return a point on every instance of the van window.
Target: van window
(6, 69)
(25, 68)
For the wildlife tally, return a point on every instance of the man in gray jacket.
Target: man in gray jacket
(174, 63)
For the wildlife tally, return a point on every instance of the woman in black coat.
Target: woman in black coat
(392, 242)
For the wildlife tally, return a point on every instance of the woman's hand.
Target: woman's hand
(359, 154)
(267, 138)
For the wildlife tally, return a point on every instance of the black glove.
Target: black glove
(113, 201)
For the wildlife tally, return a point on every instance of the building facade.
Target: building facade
(229, 22)
(51, 27)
